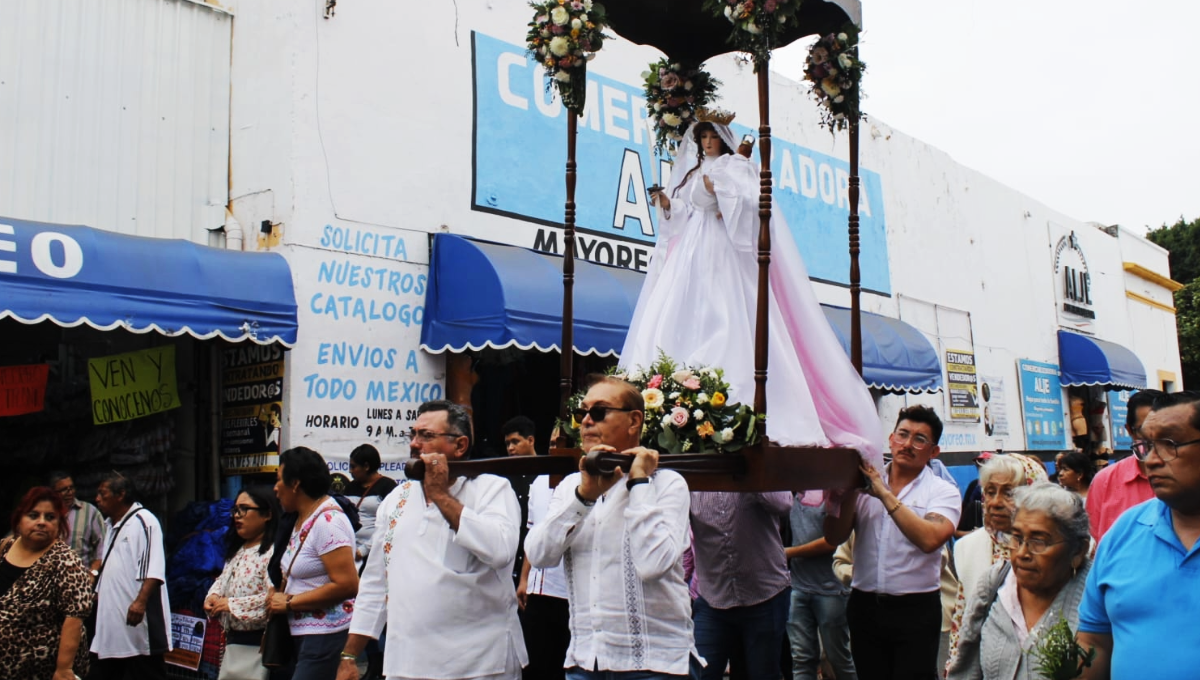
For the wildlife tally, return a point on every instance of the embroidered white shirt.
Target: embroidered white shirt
(629, 604)
(885, 561)
(441, 591)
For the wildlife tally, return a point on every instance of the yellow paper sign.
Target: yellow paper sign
(133, 385)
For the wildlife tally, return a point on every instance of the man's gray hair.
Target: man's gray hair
(57, 476)
(1002, 465)
(119, 484)
(457, 418)
(1064, 508)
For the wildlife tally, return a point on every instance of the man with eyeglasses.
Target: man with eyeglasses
(621, 538)
(1143, 592)
(85, 525)
(900, 520)
(1123, 484)
(439, 573)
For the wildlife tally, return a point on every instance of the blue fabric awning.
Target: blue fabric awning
(73, 275)
(1088, 361)
(488, 295)
(896, 356)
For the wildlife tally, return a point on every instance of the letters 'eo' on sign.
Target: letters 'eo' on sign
(133, 385)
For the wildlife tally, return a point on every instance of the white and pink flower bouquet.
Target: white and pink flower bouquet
(686, 409)
(836, 72)
(674, 91)
(563, 36)
(758, 25)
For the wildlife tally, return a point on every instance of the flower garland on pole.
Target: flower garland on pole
(836, 72)
(757, 24)
(686, 410)
(563, 36)
(674, 92)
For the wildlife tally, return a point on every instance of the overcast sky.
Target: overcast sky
(1086, 106)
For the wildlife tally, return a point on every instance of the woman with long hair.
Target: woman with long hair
(239, 595)
(45, 594)
(700, 295)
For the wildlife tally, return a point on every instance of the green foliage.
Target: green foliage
(1183, 240)
(1059, 656)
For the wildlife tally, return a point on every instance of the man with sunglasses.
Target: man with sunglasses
(1123, 484)
(439, 573)
(900, 520)
(623, 536)
(1143, 592)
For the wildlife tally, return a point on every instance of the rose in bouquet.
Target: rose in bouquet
(836, 72)
(687, 410)
(674, 91)
(758, 25)
(563, 36)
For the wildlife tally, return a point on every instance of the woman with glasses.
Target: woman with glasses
(1016, 602)
(975, 553)
(239, 595)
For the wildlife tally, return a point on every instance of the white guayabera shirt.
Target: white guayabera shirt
(629, 604)
(447, 596)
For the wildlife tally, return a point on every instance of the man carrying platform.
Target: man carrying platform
(620, 537)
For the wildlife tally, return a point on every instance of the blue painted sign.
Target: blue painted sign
(1042, 406)
(1118, 409)
(520, 155)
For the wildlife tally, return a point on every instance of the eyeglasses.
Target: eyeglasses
(66, 490)
(1006, 492)
(1166, 448)
(1036, 546)
(597, 413)
(426, 436)
(240, 510)
(918, 441)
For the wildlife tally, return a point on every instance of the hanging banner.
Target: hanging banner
(251, 408)
(1118, 411)
(1042, 406)
(23, 389)
(187, 632)
(962, 385)
(995, 406)
(133, 385)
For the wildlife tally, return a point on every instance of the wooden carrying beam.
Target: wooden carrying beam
(763, 467)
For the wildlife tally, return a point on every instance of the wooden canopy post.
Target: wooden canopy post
(762, 314)
(855, 278)
(567, 347)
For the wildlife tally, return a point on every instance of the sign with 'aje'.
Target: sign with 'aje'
(133, 385)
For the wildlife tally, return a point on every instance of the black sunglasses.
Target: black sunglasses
(598, 413)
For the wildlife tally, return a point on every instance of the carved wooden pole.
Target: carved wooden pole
(762, 316)
(567, 347)
(855, 286)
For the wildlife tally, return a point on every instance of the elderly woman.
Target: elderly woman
(976, 552)
(45, 593)
(1016, 602)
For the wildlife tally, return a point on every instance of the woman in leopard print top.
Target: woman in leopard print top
(45, 593)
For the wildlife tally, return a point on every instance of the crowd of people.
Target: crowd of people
(631, 575)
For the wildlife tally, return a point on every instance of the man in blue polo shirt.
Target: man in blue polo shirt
(1143, 592)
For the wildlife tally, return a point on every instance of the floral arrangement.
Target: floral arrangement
(758, 25)
(836, 72)
(563, 36)
(674, 92)
(687, 410)
(1059, 656)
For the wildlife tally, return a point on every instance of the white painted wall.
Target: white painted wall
(116, 115)
(363, 125)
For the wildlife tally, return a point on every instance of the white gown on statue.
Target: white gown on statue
(698, 306)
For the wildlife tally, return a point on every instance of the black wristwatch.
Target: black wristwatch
(583, 500)
(634, 481)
